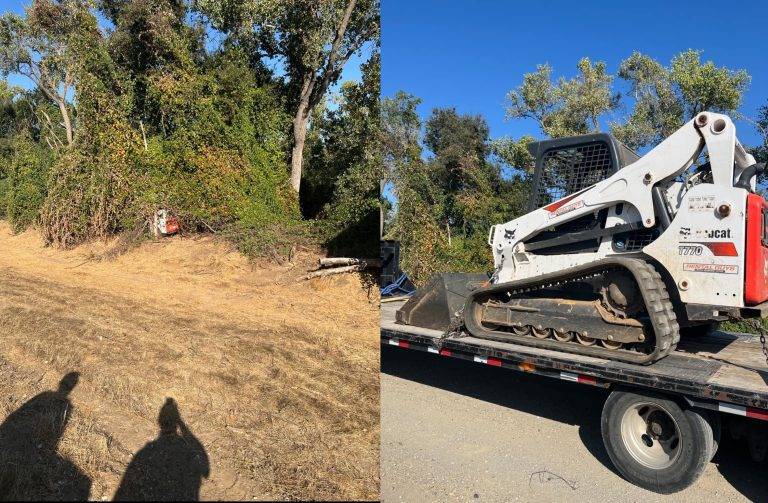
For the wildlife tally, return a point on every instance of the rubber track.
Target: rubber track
(655, 295)
(659, 307)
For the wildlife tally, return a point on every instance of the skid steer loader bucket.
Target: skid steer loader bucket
(437, 304)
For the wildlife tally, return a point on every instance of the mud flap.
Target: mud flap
(435, 305)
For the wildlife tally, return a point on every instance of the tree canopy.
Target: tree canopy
(313, 38)
(448, 198)
(660, 98)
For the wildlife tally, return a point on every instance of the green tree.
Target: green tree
(658, 111)
(667, 97)
(25, 188)
(515, 153)
(165, 116)
(459, 168)
(401, 128)
(92, 184)
(152, 42)
(36, 46)
(416, 221)
(445, 203)
(761, 151)
(664, 98)
(704, 86)
(315, 39)
(567, 107)
(342, 177)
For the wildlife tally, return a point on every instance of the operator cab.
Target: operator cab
(565, 166)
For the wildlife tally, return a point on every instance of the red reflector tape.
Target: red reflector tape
(403, 344)
(487, 360)
(740, 410)
(445, 352)
(568, 376)
(757, 413)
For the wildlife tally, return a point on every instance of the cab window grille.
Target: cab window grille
(568, 170)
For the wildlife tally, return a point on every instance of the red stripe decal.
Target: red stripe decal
(587, 379)
(494, 361)
(403, 344)
(757, 413)
(722, 248)
(557, 204)
(445, 352)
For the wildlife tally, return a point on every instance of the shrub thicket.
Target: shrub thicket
(24, 188)
(162, 122)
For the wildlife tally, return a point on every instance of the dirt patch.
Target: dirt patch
(271, 385)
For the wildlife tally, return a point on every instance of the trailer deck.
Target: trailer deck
(722, 371)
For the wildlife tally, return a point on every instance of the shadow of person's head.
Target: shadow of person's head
(169, 417)
(68, 383)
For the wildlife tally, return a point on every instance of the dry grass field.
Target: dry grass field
(179, 370)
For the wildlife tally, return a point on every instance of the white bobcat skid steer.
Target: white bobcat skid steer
(619, 251)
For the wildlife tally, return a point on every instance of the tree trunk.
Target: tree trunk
(299, 138)
(382, 185)
(67, 122)
(312, 90)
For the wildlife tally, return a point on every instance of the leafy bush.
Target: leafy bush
(352, 217)
(24, 188)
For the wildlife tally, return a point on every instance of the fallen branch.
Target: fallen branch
(395, 299)
(336, 270)
(339, 261)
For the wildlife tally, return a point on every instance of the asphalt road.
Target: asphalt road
(453, 430)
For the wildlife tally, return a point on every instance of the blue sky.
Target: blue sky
(468, 55)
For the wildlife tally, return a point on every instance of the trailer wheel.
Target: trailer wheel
(654, 443)
(716, 424)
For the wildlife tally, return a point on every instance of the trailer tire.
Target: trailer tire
(717, 429)
(654, 443)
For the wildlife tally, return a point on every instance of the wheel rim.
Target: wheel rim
(651, 435)
(610, 344)
(540, 333)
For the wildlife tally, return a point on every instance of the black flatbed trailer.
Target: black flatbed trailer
(723, 372)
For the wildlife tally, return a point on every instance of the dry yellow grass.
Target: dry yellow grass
(277, 380)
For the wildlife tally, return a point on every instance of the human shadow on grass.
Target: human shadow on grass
(30, 466)
(169, 468)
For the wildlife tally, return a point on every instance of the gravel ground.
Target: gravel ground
(458, 431)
